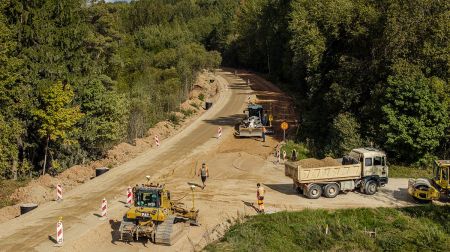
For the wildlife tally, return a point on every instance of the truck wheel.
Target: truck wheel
(331, 190)
(370, 187)
(314, 191)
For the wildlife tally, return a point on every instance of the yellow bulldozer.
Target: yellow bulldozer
(426, 190)
(154, 216)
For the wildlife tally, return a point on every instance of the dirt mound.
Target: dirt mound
(42, 189)
(313, 162)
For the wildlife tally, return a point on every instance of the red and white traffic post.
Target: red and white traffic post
(219, 132)
(157, 141)
(59, 233)
(129, 196)
(104, 209)
(59, 196)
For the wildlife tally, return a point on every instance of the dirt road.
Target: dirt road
(236, 165)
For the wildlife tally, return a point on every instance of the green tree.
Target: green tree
(54, 115)
(105, 120)
(416, 117)
(344, 135)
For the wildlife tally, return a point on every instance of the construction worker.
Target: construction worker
(204, 173)
(264, 134)
(294, 155)
(260, 197)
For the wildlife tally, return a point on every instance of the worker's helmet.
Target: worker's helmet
(203, 163)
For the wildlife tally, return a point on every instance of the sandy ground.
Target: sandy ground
(236, 165)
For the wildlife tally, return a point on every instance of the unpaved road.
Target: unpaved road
(236, 165)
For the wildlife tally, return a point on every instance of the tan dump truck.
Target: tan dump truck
(364, 169)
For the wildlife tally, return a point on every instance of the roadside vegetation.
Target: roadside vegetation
(398, 171)
(301, 149)
(78, 77)
(406, 229)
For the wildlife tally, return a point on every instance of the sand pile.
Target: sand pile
(313, 163)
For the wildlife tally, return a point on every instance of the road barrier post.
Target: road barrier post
(129, 196)
(104, 209)
(219, 132)
(59, 233)
(59, 196)
(157, 140)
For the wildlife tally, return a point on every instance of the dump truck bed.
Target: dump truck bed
(322, 174)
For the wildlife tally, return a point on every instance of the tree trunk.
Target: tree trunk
(45, 156)
(14, 168)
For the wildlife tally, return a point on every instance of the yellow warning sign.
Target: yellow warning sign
(284, 125)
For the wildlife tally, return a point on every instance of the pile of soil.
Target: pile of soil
(314, 163)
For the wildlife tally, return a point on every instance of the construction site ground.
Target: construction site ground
(235, 165)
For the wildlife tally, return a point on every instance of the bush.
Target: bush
(302, 150)
(195, 105)
(187, 112)
(173, 118)
(201, 97)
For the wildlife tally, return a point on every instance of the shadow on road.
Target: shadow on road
(283, 188)
(251, 205)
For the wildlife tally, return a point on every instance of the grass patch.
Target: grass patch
(187, 112)
(195, 105)
(7, 188)
(407, 229)
(397, 171)
(302, 150)
(201, 97)
(173, 118)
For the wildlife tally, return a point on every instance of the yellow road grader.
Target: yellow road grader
(155, 216)
(425, 190)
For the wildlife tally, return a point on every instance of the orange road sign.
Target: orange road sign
(284, 125)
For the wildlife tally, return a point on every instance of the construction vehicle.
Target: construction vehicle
(255, 119)
(155, 216)
(426, 190)
(364, 169)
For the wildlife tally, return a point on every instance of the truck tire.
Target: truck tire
(331, 190)
(314, 191)
(370, 187)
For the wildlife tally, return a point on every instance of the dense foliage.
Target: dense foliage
(397, 229)
(79, 76)
(364, 71)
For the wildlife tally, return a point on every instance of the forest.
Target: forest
(364, 72)
(78, 77)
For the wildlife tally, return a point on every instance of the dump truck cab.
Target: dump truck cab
(373, 163)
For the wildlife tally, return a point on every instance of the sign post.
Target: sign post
(284, 127)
